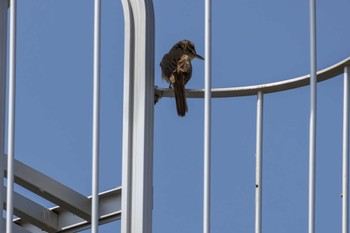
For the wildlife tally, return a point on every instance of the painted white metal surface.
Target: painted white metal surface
(67, 222)
(11, 117)
(3, 57)
(258, 172)
(71, 213)
(207, 119)
(16, 228)
(137, 162)
(37, 215)
(52, 190)
(345, 175)
(138, 132)
(129, 38)
(96, 118)
(313, 110)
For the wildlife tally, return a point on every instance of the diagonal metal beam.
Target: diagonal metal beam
(15, 227)
(51, 190)
(109, 210)
(34, 213)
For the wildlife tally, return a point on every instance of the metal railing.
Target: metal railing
(263, 89)
(137, 192)
(74, 211)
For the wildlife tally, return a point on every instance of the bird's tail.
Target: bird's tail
(180, 95)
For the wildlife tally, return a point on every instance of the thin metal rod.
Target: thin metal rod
(207, 119)
(96, 118)
(3, 57)
(345, 178)
(259, 146)
(313, 96)
(11, 117)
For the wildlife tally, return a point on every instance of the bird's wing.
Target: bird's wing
(168, 66)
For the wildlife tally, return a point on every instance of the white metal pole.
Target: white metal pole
(259, 140)
(138, 123)
(11, 117)
(312, 145)
(96, 118)
(207, 119)
(126, 218)
(345, 180)
(3, 57)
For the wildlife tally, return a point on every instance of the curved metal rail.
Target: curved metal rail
(284, 85)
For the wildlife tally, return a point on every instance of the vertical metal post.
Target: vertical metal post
(312, 145)
(345, 178)
(143, 117)
(138, 113)
(127, 118)
(3, 53)
(259, 141)
(96, 118)
(11, 117)
(207, 119)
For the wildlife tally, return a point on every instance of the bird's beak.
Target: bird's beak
(199, 57)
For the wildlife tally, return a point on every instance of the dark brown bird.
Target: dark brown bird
(177, 71)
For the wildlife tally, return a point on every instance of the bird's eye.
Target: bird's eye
(193, 51)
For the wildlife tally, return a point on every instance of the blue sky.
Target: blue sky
(254, 42)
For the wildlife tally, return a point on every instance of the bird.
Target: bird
(176, 70)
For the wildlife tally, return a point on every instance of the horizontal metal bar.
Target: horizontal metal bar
(109, 210)
(34, 213)
(51, 190)
(289, 84)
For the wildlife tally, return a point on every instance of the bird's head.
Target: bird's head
(188, 48)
